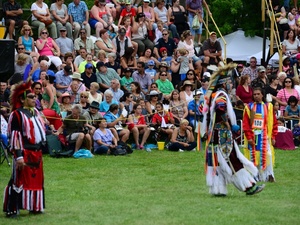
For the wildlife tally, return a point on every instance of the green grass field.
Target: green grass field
(157, 187)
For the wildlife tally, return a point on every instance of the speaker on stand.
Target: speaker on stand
(7, 59)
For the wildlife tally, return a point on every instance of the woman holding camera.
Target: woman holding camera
(140, 33)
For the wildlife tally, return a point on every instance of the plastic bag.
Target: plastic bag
(196, 23)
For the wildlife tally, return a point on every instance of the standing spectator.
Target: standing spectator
(47, 47)
(12, 13)
(244, 91)
(64, 43)
(41, 18)
(141, 77)
(195, 7)
(60, 16)
(84, 41)
(252, 69)
(26, 180)
(79, 16)
(88, 76)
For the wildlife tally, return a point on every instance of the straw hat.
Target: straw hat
(66, 94)
(76, 76)
(153, 93)
(186, 83)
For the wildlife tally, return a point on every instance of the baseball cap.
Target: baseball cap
(88, 66)
(240, 65)
(162, 49)
(68, 69)
(213, 32)
(261, 69)
(63, 28)
(146, 0)
(151, 63)
(127, 70)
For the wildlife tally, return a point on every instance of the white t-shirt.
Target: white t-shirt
(41, 11)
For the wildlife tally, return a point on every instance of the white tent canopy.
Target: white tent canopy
(239, 47)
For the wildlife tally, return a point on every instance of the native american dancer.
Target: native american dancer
(25, 189)
(224, 162)
(260, 127)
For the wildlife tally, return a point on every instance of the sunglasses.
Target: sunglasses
(63, 31)
(164, 75)
(44, 33)
(31, 96)
(164, 34)
(21, 48)
(288, 81)
(83, 97)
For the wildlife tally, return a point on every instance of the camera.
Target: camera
(86, 130)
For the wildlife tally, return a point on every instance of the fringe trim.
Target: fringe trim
(216, 181)
(33, 200)
(242, 180)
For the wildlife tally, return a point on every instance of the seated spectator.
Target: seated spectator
(128, 60)
(92, 116)
(127, 101)
(152, 99)
(115, 88)
(276, 108)
(27, 42)
(239, 109)
(204, 84)
(284, 139)
(291, 46)
(49, 96)
(164, 56)
(105, 75)
(122, 42)
(65, 43)
(88, 60)
(48, 47)
(13, 16)
(63, 79)
(163, 67)
(178, 107)
(79, 15)
(136, 91)
(164, 121)
(101, 57)
(112, 62)
(41, 18)
(80, 58)
(211, 51)
(84, 41)
(84, 101)
(161, 13)
(88, 76)
(108, 100)
(74, 128)
(286, 66)
(127, 12)
(185, 63)
(292, 111)
(115, 122)
(65, 103)
(22, 66)
(287, 91)
(273, 87)
(104, 43)
(183, 138)
(244, 91)
(165, 42)
(4, 92)
(74, 91)
(43, 66)
(187, 43)
(126, 80)
(148, 13)
(68, 61)
(150, 70)
(94, 95)
(36, 87)
(60, 16)
(142, 78)
(147, 57)
(186, 91)
(261, 80)
(164, 85)
(137, 125)
(139, 29)
(103, 138)
(3, 130)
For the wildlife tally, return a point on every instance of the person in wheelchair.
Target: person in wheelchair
(76, 128)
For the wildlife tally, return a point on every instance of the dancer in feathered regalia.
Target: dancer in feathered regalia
(260, 128)
(224, 162)
(25, 189)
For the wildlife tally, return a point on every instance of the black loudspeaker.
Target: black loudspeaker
(7, 59)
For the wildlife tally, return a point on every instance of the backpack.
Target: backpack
(55, 147)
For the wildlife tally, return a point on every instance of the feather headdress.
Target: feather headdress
(17, 92)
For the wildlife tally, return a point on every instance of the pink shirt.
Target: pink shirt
(283, 95)
(190, 48)
(47, 47)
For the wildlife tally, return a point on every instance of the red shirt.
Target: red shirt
(156, 119)
(130, 13)
(245, 96)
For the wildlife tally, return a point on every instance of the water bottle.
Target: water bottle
(3, 21)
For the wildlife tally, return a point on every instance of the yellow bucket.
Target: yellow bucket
(161, 146)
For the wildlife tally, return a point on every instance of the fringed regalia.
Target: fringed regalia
(260, 125)
(224, 162)
(25, 189)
